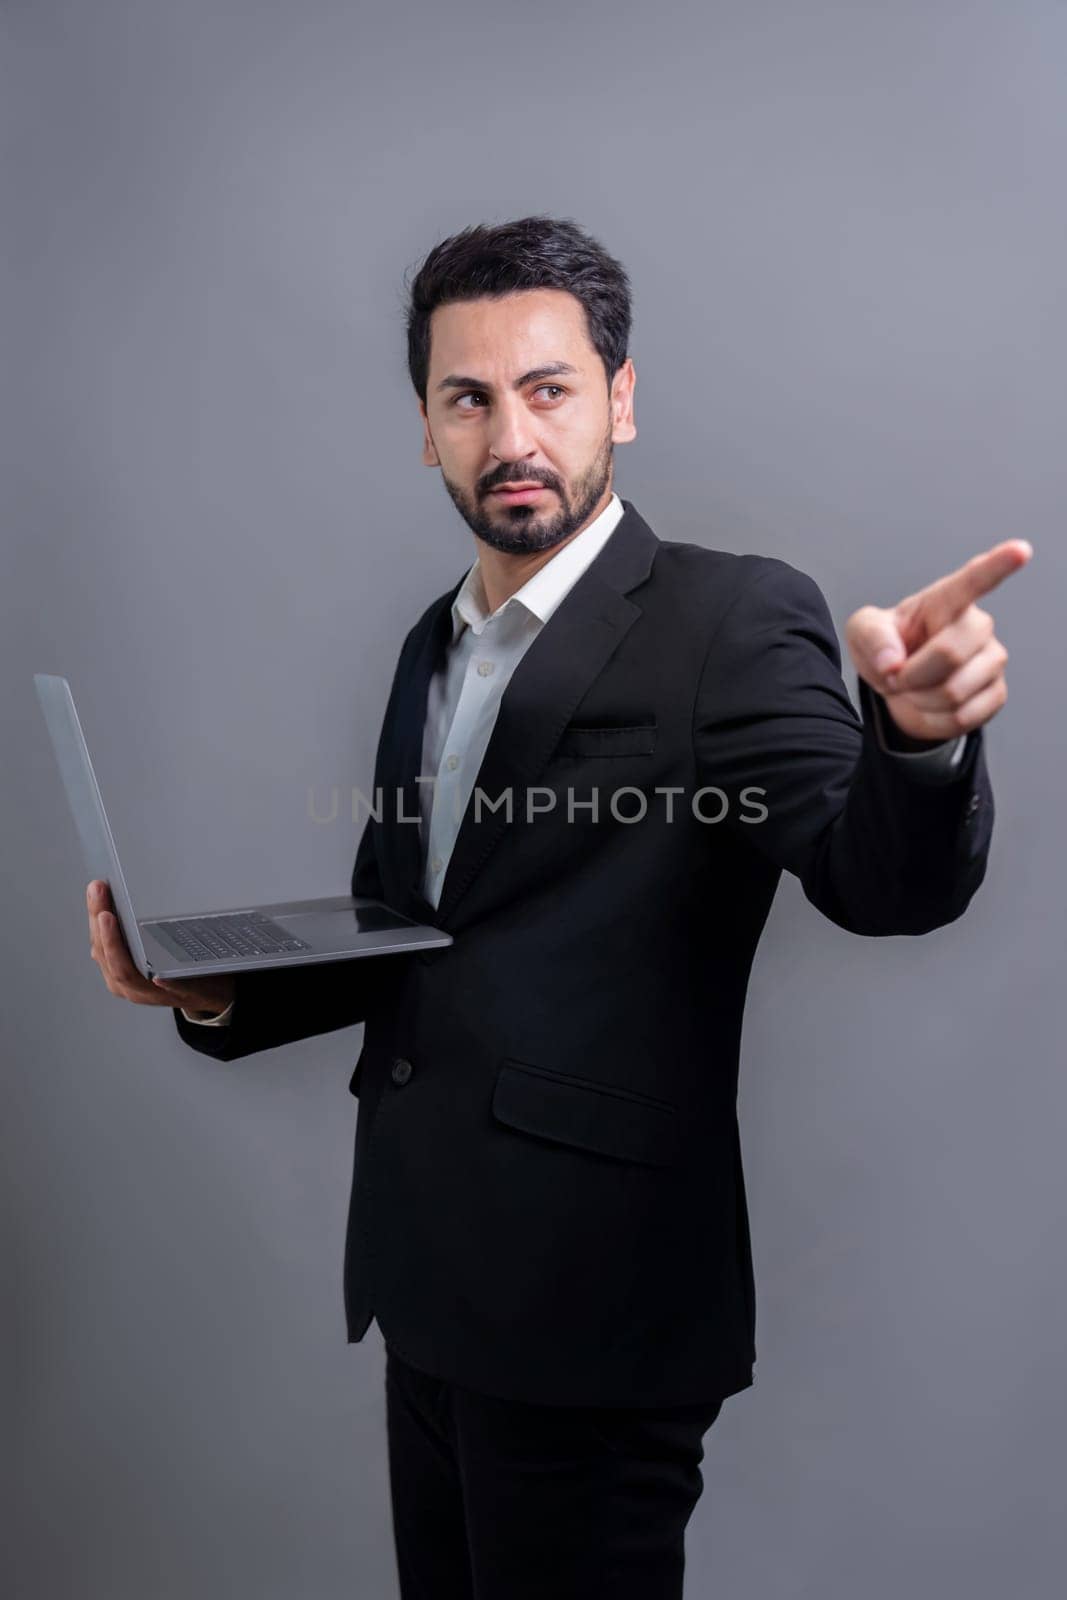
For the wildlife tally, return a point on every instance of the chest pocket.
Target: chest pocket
(633, 739)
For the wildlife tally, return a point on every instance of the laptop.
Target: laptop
(287, 933)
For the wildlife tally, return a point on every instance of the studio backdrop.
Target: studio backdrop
(844, 228)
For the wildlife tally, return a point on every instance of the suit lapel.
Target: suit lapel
(552, 677)
(402, 760)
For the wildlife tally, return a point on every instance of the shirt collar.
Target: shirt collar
(542, 593)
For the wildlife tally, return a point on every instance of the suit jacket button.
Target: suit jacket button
(401, 1070)
(972, 805)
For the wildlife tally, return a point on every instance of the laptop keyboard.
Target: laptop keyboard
(238, 933)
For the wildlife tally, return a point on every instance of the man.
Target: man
(611, 745)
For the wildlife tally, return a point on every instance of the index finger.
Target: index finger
(949, 596)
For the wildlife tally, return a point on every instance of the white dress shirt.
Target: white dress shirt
(464, 695)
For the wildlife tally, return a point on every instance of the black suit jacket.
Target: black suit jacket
(547, 1200)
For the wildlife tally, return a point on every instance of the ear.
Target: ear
(623, 427)
(429, 453)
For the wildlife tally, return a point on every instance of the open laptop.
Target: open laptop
(287, 933)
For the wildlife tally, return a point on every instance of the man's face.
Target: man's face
(494, 415)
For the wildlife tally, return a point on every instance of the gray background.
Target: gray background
(845, 229)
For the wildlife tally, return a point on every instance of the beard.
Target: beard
(523, 529)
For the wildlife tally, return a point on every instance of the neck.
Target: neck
(503, 574)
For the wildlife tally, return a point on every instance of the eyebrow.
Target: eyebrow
(456, 380)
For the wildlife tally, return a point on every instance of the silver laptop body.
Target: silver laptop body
(287, 933)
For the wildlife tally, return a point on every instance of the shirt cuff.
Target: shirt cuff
(209, 1022)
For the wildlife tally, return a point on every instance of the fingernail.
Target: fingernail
(886, 658)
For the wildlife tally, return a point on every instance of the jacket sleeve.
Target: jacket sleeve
(880, 846)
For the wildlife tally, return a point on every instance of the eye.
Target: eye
(476, 394)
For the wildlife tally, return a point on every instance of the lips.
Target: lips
(526, 492)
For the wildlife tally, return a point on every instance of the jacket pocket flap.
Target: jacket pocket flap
(612, 1122)
(638, 739)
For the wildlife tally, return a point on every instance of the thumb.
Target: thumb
(877, 645)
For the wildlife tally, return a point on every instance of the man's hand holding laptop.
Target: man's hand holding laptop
(207, 996)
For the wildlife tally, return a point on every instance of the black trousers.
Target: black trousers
(504, 1500)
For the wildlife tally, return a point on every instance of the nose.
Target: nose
(509, 432)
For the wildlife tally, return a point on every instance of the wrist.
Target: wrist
(894, 737)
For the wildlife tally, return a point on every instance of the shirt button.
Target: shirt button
(400, 1071)
(452, 763)
(435, 864)
(484, 668)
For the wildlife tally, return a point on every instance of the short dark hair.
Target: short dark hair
(528, 253)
